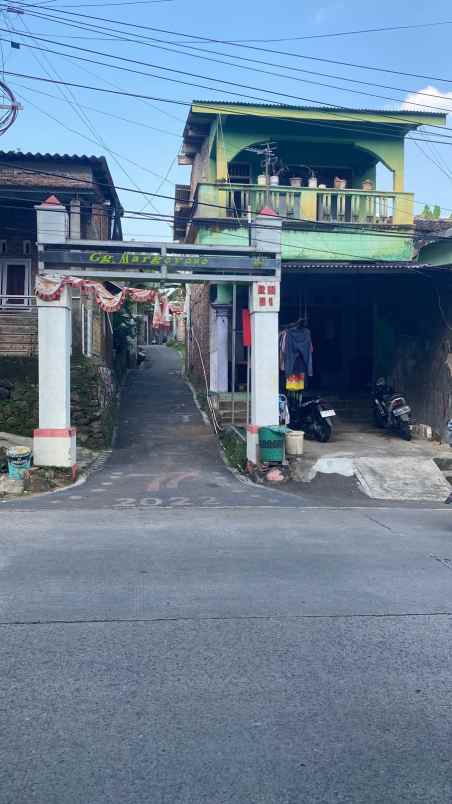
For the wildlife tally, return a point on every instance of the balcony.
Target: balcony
(305, 204)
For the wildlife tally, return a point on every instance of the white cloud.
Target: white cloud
(428, 99)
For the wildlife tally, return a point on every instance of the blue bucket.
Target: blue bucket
(19, 461)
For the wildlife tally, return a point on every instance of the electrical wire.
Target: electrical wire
(436, 108)
(214, 40)
(288, 67)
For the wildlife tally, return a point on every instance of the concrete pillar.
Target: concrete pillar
(75, 222)
(219, 363)
(264, 313)
(52, 221)
(264, 362)
(54, 441)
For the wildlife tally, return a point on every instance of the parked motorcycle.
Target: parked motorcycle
(314, 417)
(391, 410)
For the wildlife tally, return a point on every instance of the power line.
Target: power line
(346, 33)
(223, 109)
(106, 114)
(197, 75)
(150, 42)
(248, 47)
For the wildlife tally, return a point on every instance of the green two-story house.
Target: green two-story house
(349, 248)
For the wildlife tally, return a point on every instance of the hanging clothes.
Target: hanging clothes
(297, 351)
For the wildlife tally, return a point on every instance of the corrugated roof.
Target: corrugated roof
(98, 163)
(308, 108)
(348, 267)
(296, 266)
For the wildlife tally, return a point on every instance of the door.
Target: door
(15, 284)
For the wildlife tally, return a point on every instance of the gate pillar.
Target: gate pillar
(264, 308)
(54, 441)
(264, 313)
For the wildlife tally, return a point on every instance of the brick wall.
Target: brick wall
(199, 337)
(20, 175)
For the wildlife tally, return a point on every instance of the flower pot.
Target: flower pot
(295, 181)
(367, 185)
(312, 181)
(274, 181)
(339, 184)
(262, 179)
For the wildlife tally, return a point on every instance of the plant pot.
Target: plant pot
(339, 184)
(274, 181)
(312, 181)
(367, 185)
(262, 180)
(295, 181)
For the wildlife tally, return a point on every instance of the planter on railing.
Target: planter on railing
(319, 204)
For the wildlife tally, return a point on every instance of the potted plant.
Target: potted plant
(262, 179)
(339, 184)
(367, 185)
(295, 181)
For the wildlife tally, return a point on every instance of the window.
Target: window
(239, 172)
(15, 282)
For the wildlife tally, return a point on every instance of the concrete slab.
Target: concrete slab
(401, 479)
(386, 467)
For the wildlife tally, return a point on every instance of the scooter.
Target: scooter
(314, 417)
(391, 410)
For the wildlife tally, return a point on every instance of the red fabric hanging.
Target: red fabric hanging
(246, 326)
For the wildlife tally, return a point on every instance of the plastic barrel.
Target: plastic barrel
(19, 460)
(294, 443)
(271, 443)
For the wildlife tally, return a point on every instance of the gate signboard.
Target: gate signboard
(157, 261)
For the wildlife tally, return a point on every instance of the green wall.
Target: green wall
(336, 246)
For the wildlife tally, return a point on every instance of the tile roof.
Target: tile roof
(98, 163)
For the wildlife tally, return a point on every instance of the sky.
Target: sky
(141, 138)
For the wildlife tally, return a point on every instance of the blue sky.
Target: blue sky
(142, 149)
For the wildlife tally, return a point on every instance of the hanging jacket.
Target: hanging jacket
(298, 351)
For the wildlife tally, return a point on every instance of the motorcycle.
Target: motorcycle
(314, 417)
(391, 410)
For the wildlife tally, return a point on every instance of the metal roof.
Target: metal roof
(98, 163)
(308, 108)
(299, 266)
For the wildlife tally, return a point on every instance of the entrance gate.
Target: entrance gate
(258, 266)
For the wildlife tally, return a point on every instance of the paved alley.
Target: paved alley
(171, 635)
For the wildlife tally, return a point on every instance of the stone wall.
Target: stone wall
(199, 337)
(94, 399)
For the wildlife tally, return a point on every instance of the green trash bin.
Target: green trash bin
(271, 443)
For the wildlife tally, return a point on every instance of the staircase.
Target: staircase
(19, 332)
(226, 407)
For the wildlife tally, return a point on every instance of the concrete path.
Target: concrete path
(166, 456)
(174, 639)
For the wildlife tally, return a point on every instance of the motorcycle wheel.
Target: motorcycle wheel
(322, 431)
(378, 419)
(405, 431)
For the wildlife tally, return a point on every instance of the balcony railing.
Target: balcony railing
(375, 208)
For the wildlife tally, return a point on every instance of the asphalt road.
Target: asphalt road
(224, 651)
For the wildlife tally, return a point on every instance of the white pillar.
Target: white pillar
(264, 309)
(54, 441)
(264, 313)
(219, 364)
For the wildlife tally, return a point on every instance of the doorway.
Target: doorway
(15, 276)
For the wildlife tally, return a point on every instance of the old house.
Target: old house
(350, 251)
(83, 186)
